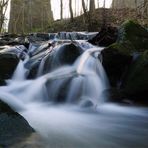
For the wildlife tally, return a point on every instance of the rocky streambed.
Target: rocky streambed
(125, 60)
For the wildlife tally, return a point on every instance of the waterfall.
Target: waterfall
(82, 81)
(91, 79)
(65, 105)
(20, 72)
(41, 66)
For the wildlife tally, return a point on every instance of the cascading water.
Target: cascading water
(91, 79)
(20, 72)
(69, 125)
(85, 73)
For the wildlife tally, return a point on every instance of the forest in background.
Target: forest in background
(37, 16)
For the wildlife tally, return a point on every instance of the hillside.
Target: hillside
(113, 17)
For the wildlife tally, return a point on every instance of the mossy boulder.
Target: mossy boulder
(133, 35)
(128, 73)
(13, 127)
(136, 84)
(8, 63)
(116, 60)
(117, 57)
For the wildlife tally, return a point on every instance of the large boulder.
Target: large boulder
(136, 84)
(106, 36)
(133, 35)
(117, 57)
(13, 127)
(116, 61)
(8, 63)
(126, 61)
(66, 54)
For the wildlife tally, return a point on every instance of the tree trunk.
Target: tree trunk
(71, 10)
(98, 3)
(104, 14)
(145, 8)
(61, 5)
(3, 8)
(84, 7)
(91, 6)
(91, 14)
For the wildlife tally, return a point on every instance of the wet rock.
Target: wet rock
(136, 83)
(13, 40)
(67, 54)
(116, 62)
(118, 56)
(86, 104)
(43, 59)
(13, 127)
(33, 71)
(106, 36)
(126, 63)
(38, 37)
(3, 42)
(117, 95)
(43, 36)
(8, 63)
(2, 82)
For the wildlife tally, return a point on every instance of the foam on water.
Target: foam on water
(70, 125)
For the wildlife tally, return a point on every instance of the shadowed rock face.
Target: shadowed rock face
(29, 15)
(126, 63)
(8, 63)
(13, 127)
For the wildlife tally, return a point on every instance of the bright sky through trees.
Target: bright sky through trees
(77, 9)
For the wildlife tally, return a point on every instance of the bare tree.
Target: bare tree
(30, 16)
(104, 14)
(71, 10)
(84, 7)
(145, 8)
(98, 3)
(91, 6)
(61, 8)
(90, 14)
(3, 9)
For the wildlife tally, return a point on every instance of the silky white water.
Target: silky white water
(83, 119)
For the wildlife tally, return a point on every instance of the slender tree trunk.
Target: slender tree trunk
(3, 8)
(1, 18)
(75, 8)
(30, 15)
(104, 14)
(85, 17)
(84, 7)
(61, 5)
(92, 6)
(71, 10)
(98, 3)
(91, 14)
(145, 8)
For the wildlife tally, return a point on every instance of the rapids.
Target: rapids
(68, 105)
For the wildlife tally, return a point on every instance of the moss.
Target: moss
(133, 34)
(124, 49)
